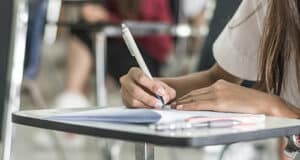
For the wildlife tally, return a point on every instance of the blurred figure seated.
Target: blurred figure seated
(155, 49)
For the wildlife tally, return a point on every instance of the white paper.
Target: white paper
(136, 116)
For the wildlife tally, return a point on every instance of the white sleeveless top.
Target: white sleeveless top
(236, 49)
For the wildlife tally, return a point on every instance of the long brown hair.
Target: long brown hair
(129, 9)
(280, 43)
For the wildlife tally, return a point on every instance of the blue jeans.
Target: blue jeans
(36, 23)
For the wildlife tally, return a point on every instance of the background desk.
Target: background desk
(273, 127)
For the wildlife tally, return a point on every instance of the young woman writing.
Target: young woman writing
(262, 43)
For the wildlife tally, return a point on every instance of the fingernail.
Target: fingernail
(158, 104)
(179, 107)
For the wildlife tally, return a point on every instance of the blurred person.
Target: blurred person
(193, 8)
(155, 49)
(260, 43)
(193, 11)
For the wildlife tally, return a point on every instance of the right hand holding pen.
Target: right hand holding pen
(139, 91)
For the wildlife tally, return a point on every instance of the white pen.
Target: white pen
(134, 51)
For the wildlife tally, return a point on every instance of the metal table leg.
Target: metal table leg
(144, 151)
(100, 68)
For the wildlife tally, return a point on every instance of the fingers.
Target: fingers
(214, 98)
(137, 93)
(155, 87)
(199, 102)
(199, 105)
(140, 78)
(201, 99)
(196, 98)
(170, 93)
(137, 86)
(197, 92)
(130, 101)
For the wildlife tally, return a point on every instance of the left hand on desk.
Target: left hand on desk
(225, 97)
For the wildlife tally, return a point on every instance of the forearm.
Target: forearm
(276, 106)
(185, 84)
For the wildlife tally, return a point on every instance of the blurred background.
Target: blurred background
(68, 53)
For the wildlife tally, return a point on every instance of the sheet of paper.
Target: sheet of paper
(125, 115)
(114, 114)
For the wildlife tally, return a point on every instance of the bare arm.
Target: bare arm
(187, 83)
(215, 90)
(138, 90)
(224, 95)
